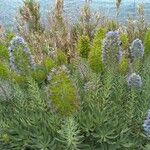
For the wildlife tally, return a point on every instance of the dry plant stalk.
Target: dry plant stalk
(2, 34)
(137, 28)
(61, 31)
(118, 3)
(59, 6)
(88, 22)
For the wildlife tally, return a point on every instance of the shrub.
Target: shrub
(124, 66)
(83, 46)
(96, 51)
(61, 58)
(4, 55)
(124, 40)
(4, 71)
(62, 92)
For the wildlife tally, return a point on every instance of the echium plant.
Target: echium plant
(62, 92)
(134, 81)
(146, 124)
(111, 49)
(16, 44)
(137, 49)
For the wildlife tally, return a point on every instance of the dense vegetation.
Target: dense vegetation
(74, 86)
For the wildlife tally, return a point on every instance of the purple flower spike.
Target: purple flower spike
(15, 42)
(134, 81)
(137, 49)
(111, 49)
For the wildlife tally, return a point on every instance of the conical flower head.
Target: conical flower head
(18, 41)
(146, 124)
(134, 81)
(15, 59)
(111, 49)
(137, 49)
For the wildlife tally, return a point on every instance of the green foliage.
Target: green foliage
(22, 61)
(6, 91)
(63, 95)
(39, 74)
(4, 72)
(69, 135)
(19, 79)
(147, 43)
(26, 122)
(124, 40)
(48, 64)
(9, 36)
(83, 46)
(124, 66)
(61, 58)
(82, 107)
(95, 58)
(4, 55)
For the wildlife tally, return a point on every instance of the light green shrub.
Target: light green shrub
(95, 58)
(61, 58)
(4, 55)
(4, 71)
(63, 94)
(40, 73)
(124, 40)
(124, 66)
(83, 46)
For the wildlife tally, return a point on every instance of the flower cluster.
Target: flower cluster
(111, 49)
(15, 42)
(134, 81)
(146, 124)
(137, 49)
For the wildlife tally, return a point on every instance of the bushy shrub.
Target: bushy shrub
(124, 40)
(4, 71)
(62, 92)
(4, 55)
(83, 46)
(61, 58)
(40, 73)
(95, 54)
(19, 79)
(124, 66)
